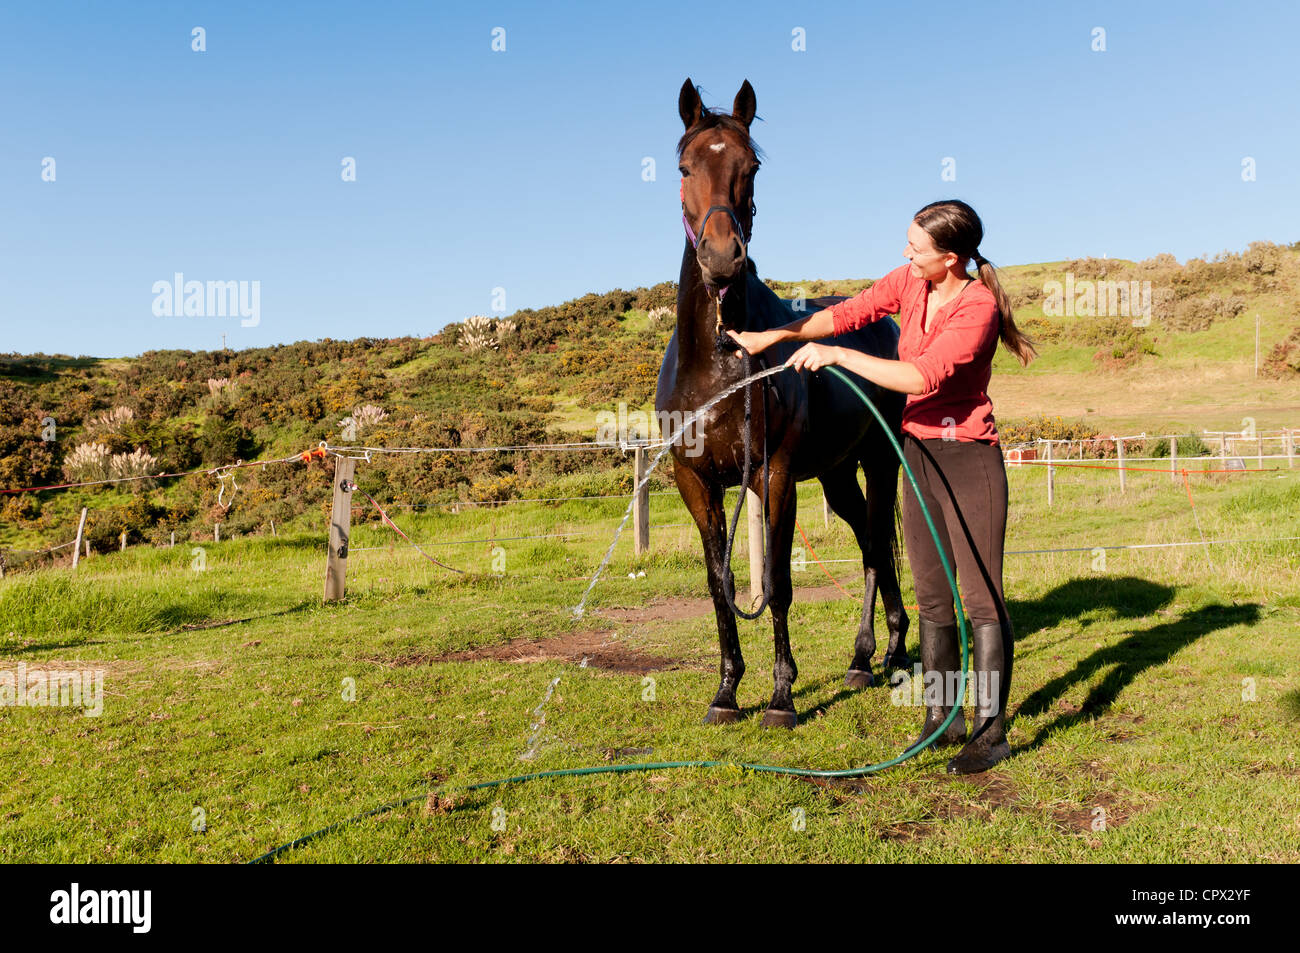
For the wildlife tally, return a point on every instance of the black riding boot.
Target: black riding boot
(994, 648)
(941, 655)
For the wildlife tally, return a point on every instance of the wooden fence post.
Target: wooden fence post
(1173, 459)
(1259, 449)
(1119, 447)
(76, 547)
(1051, 475)
(336, 560)
(1290, 449)
(216, 532)
(121, 542)
(641, 508)
(826, 510)
(754, 522)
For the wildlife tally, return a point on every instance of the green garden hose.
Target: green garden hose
(907, 753)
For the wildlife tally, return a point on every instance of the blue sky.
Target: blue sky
(522, 169)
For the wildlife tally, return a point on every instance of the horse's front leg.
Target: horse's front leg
(781, 513)
(704, 501)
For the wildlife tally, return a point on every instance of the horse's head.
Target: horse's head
(718, 160)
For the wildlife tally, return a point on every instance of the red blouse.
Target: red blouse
(955, 357)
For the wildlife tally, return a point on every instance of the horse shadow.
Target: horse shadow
(1085, 602)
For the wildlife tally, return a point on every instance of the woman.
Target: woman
(950, 327)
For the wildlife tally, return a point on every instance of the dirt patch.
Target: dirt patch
(675, 610)
(600, 648)
(1289, 770)
(994, 791)
(1104, 809)
(945, 801)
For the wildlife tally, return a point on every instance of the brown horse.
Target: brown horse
(803, 425)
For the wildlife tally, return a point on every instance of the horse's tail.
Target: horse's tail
(883, 469)
(896, 543)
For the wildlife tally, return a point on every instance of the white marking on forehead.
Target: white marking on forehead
(717, 147)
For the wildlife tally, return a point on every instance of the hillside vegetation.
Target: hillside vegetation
(543, 375)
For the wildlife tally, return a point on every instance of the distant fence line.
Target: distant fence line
(1051, 453)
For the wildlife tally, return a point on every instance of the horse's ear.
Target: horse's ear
(688, 103)
(745, 105)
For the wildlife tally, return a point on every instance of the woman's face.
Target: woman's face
(927, 261)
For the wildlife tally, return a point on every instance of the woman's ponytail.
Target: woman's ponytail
(1017, 342)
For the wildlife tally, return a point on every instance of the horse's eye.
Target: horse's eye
(682, 171)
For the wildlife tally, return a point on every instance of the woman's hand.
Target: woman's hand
(755, 342)
(814, 357)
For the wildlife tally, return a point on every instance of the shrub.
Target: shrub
(1262, 257)
(1041, 329)
(1284, 360)
(661, 316)
(110, 422)
(1043, 427)
(1189, 445)
(86, 462)
(1197, 314)
(138, 463)
(366, 417)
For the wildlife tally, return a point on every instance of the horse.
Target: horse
(808, 424)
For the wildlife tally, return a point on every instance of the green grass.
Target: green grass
(1127, 696)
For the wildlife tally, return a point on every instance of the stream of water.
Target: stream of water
(580, 608)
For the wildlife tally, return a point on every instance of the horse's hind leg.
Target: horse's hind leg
(845, 498)
(881, 465)
(704, 501)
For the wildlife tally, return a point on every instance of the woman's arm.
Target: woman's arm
(870, 304)
(901, 376)
(817, 325)
(969, 337)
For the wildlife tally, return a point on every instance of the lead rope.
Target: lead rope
(728, 581)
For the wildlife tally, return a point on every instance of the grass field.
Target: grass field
(1155, 701)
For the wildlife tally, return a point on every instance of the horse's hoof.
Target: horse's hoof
(858, 679)
(776, 718)
(900, 660)
(721, 716)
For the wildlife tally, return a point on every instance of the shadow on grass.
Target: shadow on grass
(21, 648)
(177, 620)
(1127, 660)
(197, 626)
(1079, 599)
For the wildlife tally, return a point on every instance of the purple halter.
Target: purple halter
(735, 220)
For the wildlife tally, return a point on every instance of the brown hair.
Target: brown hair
(954, 227)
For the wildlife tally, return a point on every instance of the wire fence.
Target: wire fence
(1052, 454)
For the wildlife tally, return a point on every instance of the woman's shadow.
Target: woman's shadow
(1123, 597)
